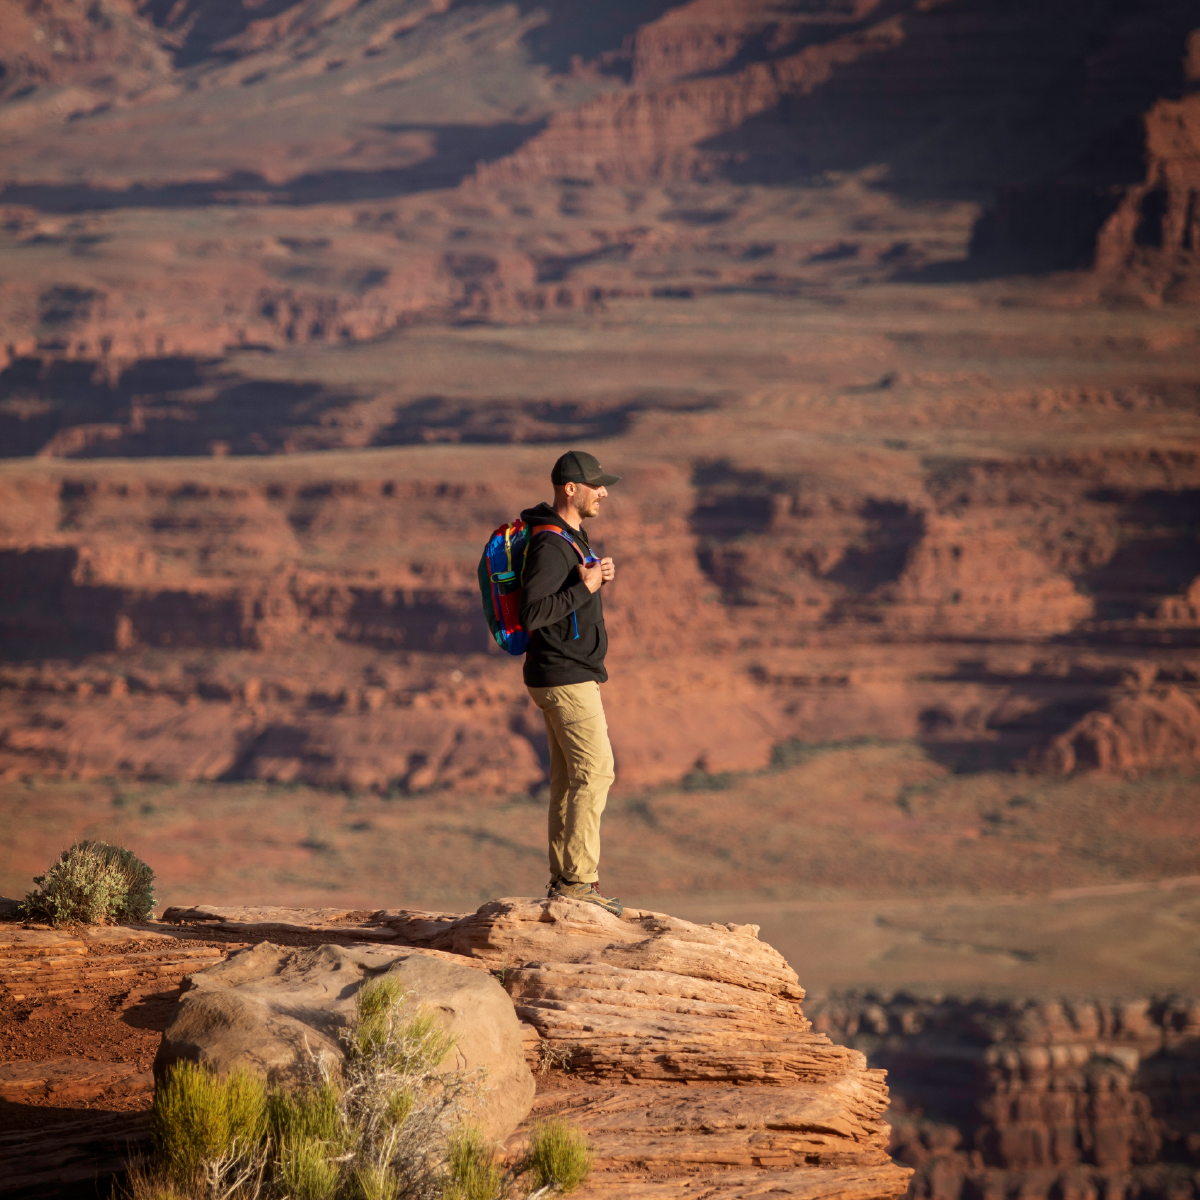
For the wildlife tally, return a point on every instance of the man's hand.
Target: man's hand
(592, 576)
(596, 574)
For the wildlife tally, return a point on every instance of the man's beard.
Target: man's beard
(585, 506)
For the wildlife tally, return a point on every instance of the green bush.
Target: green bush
(314, 1112)
(307, 1169)
(92, 883)
(557, 1156)
(199, 1119)
(143, 1182)
(471, 1171)
(410, 1043)
(375, 1183)
(388, 1126)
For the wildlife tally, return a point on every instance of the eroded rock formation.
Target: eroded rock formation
(1071, 1097)
(641, 1008)
(278, 1012)
(1150, 247)
(288, 622)
(680, 1049)
(1159, 728)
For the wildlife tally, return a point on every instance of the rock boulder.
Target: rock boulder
(269, 1007)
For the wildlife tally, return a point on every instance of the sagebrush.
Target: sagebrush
(389, 1126)
(92, 883)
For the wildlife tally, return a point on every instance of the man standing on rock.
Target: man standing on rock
(563, 614)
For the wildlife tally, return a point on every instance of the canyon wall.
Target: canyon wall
(234, 620)
(1034, 1096)
(871, 492)
(316, 215)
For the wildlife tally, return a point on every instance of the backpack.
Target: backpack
(501, 571)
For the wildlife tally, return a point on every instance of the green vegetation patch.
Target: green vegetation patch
(388, 1125)
(199, 1120)
(92, 883)
(557, 1157)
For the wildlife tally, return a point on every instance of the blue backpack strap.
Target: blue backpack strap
(562, 533)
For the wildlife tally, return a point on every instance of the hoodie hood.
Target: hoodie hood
(543, 514)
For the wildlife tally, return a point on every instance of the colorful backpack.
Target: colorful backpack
(501, 571)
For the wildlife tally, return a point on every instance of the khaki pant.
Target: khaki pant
(581, 772)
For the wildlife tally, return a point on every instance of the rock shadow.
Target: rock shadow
(959, 109)
(460, 149)
(433, 419)
(70, 1153)
(598, 34)
(153, 1011)
(202, 26)
(38, 399)
(1167, 1079)
(444, 419)
(893, 530)
(1158, 554)
(161, 407)
(732, 503)
(44, 613)
(976, 756)
(1015, 117)
(969, 745)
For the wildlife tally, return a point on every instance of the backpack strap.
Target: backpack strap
(562, 533)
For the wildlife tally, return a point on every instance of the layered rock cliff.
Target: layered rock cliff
(315, 127)
(1150, 246)
(1054, 1097)
(680, 1050)
(292, 623)
(727, 234)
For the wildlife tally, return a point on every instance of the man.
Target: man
(562, 612)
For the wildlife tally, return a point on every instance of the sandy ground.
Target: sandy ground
(1123, 940)
(867, 866)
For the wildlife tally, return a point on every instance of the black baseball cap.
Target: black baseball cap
(577, 466)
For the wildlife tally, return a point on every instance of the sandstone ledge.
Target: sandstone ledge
(680, 1049)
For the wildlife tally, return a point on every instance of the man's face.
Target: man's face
(587, 499)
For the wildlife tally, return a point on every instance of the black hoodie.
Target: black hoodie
(555, 603)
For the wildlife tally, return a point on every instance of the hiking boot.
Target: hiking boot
(589, 893)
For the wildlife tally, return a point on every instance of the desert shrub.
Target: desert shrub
(404, 1110)
(312, 1112)
(388, 1037)
(143, 1181)
(388, 1126)
(92, 883)
(375, 1183)
(471, 1170)
(557, 1157)
(306, 1169)
(208, 1132)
